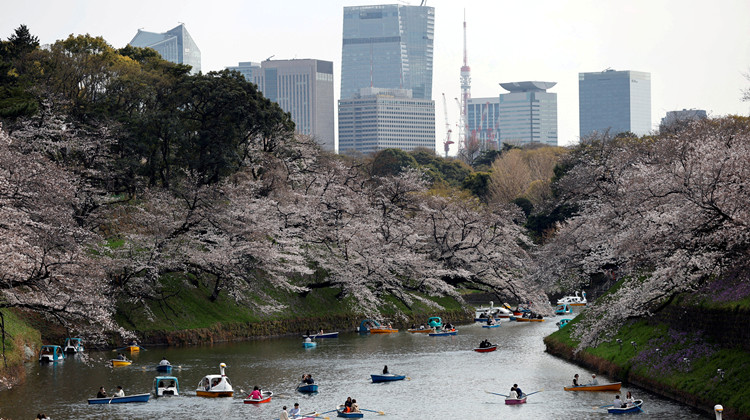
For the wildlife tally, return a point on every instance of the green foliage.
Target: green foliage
(390, 162)
(478, 183)
(525, 204)
(541, 223)
(484, 161)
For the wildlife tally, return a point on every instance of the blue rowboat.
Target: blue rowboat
(340, 411)
(443, 333)
(310, 344)
(120, 400)
(308, 388)
(491, 326)
(635, 408)
(387, 378)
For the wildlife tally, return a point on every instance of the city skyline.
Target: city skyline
(695, 52)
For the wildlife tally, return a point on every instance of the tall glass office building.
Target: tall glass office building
(175, 45)
(614, 101)
(304, 88)
(528, 114)
(388, 46)
(483, 121)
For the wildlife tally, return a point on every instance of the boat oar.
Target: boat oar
(373, 411)
(329, 411)
(496, 393)
(532, 393)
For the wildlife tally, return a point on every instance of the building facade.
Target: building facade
(378, 119)
(681, 117)
(614, 102)
(304, 88)
(388, 46)
(175, 45)
(528, 113)
(483, 122)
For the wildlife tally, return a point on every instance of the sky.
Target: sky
(698, 52)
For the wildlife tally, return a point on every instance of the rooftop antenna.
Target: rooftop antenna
(269, 58)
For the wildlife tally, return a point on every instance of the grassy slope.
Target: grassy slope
(17, 334)
(667, 367)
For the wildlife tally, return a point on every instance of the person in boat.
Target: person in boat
(629, 400)
(41, 416)
(575, 380)
(490, 321)
(594, 381)
(448, 326)
(120, 392)
(308, 379)
(385, 370)
(518, 390)
(121, 356)
(348, 405)
(102, 393)
(164, 362)
(294, 411)
(256, 394)
(284, 415)
(355, 407)
(513, 395)
(617, 403)
(321, 331)
(308, 339)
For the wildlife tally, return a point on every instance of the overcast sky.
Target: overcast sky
(696, 51)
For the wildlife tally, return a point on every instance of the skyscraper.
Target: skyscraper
(304, 88)
(378, 119)
(483, 122)
(387, 49)
(528, 114)
(175, 45)
(614, 101)
(388, 46)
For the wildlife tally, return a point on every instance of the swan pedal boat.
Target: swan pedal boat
(340, 411)
(308, 388)
(515, 401)
(635, 408)
(214, 386)
(388, 377)
(486, 349)
(264, 398)
(615, 386)
(121, 400)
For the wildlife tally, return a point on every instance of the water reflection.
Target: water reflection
(447, 379)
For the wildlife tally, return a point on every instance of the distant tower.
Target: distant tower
(463, 140)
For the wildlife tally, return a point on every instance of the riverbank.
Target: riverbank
(671, 357)
(21, 345)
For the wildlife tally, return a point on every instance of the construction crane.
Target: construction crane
(447, 143)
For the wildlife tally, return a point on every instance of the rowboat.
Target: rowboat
(309, 344)
(307, 388)
(165, 386)
(615, 386)
(73, 345)
(214, 386)
(486, 349)
(340, 411)
(514, 401)
(635, 408)
(443, 333)
(383, 330)
(491, 326)
(133, 348)
(308, 416)
(265, 397)
(120, 400)
(324, 335)
(121, 362)
(420, 330)
(51, 354)
(388, 377)
(519, 319)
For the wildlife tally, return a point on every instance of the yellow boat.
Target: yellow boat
(383, 330)
(615, 386)
(133, 349)
(120, 362)
(519, 319)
